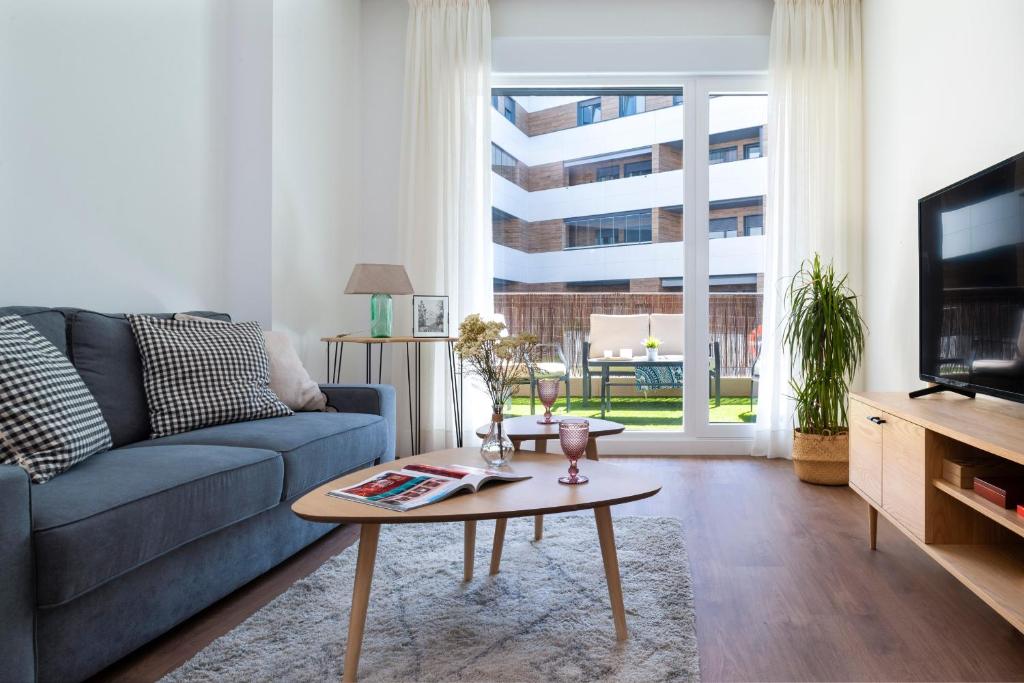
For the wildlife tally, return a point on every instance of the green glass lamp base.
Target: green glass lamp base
(381, 316)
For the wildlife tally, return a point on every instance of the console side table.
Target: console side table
(335, 352)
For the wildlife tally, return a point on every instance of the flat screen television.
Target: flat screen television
(971, 242)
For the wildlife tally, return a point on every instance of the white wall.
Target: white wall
(942, 101)
(317, 169)
(112, 153)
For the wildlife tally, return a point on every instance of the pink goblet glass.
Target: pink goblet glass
(547, 389)
(573, 433)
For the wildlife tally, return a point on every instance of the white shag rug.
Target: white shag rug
(544, 617)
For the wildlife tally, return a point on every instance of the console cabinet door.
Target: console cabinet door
(866, 450)
(903, 473)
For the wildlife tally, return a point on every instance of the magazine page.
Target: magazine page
(400, 490)
(475, 476)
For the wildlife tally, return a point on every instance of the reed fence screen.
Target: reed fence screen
(564, 318)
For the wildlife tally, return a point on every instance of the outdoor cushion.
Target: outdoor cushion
(105, 354)
(615, 332)
(317, 447)
(120, 509)
(668, 327)
(49, 322)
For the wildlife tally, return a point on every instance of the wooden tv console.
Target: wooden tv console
(897, 445)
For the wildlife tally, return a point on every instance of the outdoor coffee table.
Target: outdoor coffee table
(520, 429)
(542, 494)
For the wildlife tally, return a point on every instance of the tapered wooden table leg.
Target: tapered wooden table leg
(499, 544)
(873, 525)
(592, 449)
(469, 548)
(541, 446)
(606, 535)
(368, 536)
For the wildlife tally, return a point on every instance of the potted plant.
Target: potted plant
(501, 362)
(824, 335)
(652, 344)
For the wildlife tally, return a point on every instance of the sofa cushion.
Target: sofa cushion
(49, 322)
(104, 351)
(120, 509)
(317, 447)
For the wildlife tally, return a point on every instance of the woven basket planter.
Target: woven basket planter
(821, 459)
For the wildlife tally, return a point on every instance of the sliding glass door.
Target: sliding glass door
(593, 255)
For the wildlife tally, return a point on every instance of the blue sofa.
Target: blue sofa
(125, 545)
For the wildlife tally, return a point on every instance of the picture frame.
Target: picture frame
(430, 316)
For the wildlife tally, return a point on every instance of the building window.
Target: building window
(638, 168)
(612, 229)
(722, 155)
(494, 102)
(502, 159)
(608, 173)
(752, 151)
(631, 104)
(588, 111)
(720, 228)
(677, 100)
(753, 224)
(510, 109)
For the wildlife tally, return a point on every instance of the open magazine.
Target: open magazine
(417, 485)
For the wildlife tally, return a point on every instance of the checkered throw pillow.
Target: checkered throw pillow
(199, 375)
(48, 419)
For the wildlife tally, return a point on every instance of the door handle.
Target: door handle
(877, 420)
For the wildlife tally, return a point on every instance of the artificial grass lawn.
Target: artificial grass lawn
(637, 412)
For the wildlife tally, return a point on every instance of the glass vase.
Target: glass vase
(381, 315)
(497, 448)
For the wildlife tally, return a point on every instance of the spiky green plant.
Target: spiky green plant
(824, 335)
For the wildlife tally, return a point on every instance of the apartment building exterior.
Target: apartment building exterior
(588, 193)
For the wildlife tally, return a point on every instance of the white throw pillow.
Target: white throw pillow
(288, 377)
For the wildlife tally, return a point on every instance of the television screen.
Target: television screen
(971, 238)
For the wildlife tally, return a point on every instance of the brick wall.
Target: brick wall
(667, 226)
(547, 176)
(665, 157)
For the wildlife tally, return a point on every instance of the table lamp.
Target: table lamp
(381, 281)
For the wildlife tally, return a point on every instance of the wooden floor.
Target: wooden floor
(785, 586)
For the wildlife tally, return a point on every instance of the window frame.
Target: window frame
(698, 436)
(640, 105)
(647, 164)
(735, 154)
(509, 113)
(594, 105)
(748, 147)
(614, 167)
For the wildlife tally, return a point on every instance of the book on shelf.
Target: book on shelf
(417, 485)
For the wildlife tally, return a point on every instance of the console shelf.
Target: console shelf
(1007, 518)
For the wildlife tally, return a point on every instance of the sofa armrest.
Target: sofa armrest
(17, 589)
(376, 399)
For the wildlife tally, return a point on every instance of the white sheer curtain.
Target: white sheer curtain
(445, 233)
(814, 176)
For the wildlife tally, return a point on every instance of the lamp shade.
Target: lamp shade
(378, 278)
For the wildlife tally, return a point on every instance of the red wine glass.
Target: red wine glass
(547, 389)
(573, 433)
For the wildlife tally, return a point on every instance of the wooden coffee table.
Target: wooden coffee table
(542, 494)
(520, 429)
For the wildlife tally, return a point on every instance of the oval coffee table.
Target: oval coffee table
(526, 428)
(541, 494)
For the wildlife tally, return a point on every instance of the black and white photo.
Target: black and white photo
(430, 316)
